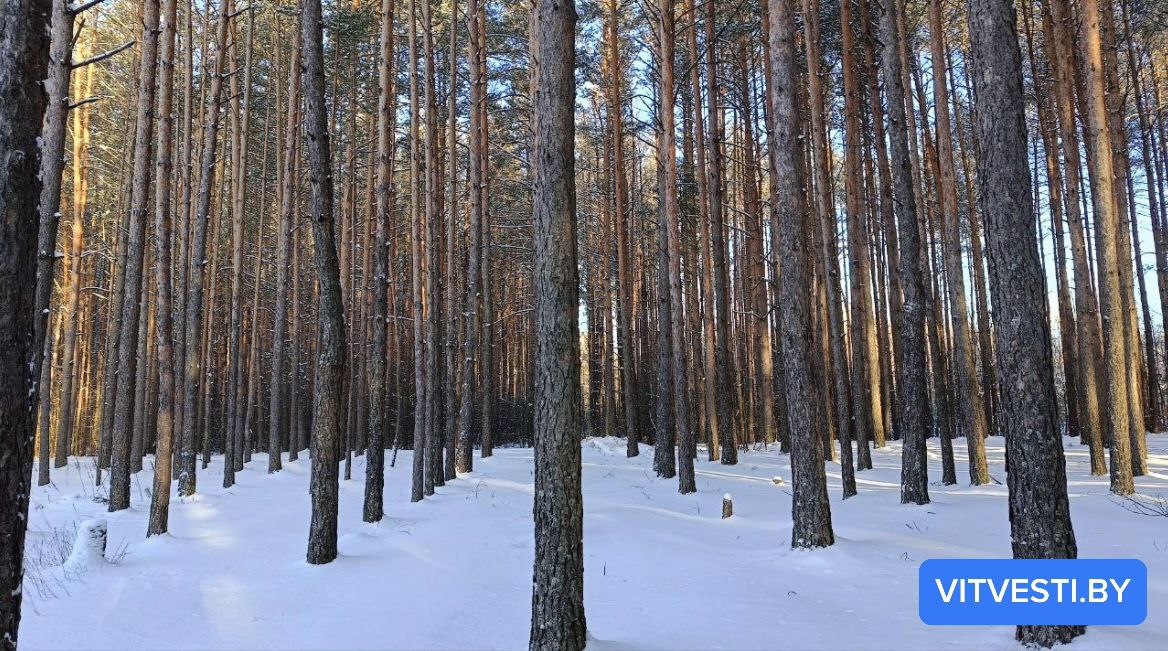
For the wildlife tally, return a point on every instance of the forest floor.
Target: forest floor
(662, 570)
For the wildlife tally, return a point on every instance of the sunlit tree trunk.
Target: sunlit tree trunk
(193, 315)
(131, 308)
(1107, 227)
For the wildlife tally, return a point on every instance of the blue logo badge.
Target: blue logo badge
(1025, 591)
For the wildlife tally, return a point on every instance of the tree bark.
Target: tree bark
(417, 488)
(240, 112)
(453, 219)
(193, 315)
(73, 312)
(131, 308)
(277, 409)
(1040, 521)
(866, 410)
(163, 317)
(24, 59)
(1107, 225)
(912, 371)
(473, 324)
(557, 604)
(624, 317)
(327, 405)
(825, 217)
(433, 432)
(965, 385)
(665, 425)
(1090, 353)
(810, 509)
(386, 108)
(52, 165)
(668, 156)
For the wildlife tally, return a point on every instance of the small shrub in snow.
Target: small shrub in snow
(1153, 505)
(88, 548)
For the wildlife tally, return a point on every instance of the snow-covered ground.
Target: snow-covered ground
(663, 571)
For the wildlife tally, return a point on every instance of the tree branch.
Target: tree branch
(103, 56)
(85, 6)
(87, 100)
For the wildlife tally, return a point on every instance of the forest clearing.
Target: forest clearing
(662, 570)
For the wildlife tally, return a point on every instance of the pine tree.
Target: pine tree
(327, 403)
(1040, 521)
(557, 604)
(811, 512)
(24, 60)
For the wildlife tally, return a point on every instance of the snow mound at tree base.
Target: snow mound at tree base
(89, 547)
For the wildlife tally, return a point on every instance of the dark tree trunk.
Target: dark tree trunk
(277, 423)
(620, 188)
(194, 330)
(668, 159)
(453, 247)
(110, 354)
(665, 425)
(240, 112)
(473, 324)
(912, 371)
(433, 476)
(52, 165)
(1040, 520)
(131, 308)
(829, 257)
(725, 402)
(24, 58)
(417, 486)
(866, 409)
(1068, 324)
(810, 509)
(328, 394)
(386, 106)
(557, 604)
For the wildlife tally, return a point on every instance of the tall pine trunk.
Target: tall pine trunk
(193, 310)
(810, 509)
(1107, 233)
(1040, 521)
(52, 165)
(328, 392)
(131, 308)
(668, 158)
(24, 58)
(912, 370)
(473, 298)
(378, 411)
(557, 604)
(965, 384)
(163, 317)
